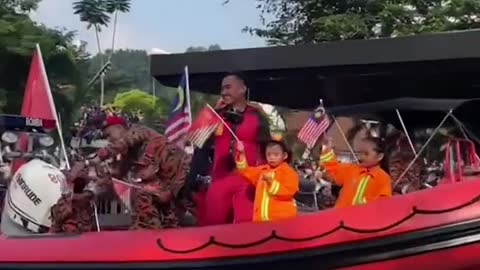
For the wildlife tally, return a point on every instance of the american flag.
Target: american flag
(316, 125)
(179, 119)
(203, 127)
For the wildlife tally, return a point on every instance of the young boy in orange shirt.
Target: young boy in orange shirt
(276, 183)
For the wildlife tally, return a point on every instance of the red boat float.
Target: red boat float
(434, 229)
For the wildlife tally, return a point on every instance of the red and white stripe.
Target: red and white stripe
(201, 135)
(178, 126)
(312, 130)
(123, 191)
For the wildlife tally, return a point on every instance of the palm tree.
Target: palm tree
(94, 13)
(114, 7)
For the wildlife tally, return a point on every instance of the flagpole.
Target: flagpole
(52, 106)
(187, 91)
(223, 122)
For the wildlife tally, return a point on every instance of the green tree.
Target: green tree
(115, 7)
(139, 102)
(97, 13)
(94, 13)
(313, 21)
(18, 38)
(129, 70)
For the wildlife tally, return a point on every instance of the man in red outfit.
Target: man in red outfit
(229, 197)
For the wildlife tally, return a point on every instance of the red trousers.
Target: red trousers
(227, 200)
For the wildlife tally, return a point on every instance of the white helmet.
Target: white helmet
(34, 189)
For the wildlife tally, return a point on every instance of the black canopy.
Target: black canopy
(442, 65)
(415, 112)
(407, 104)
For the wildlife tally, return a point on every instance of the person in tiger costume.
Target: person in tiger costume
(400, 158)
(75, 210)
(157, 166)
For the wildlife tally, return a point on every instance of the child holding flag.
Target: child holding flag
(276, 183)
(361, 183)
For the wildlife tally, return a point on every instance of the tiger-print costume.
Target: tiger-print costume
(398, 162)
(73, 214)
(160, 163)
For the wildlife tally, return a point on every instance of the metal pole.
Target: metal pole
(460, 126)
(95, 212)
(464, 131)
(345, 139)
(187, 95)
(423, 148)
(406, 132)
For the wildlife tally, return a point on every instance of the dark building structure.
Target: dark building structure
(444, 65)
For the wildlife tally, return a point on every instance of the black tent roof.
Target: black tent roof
(415, 112)
(402, 104)
(441, 65)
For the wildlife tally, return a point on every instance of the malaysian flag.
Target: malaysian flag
(205, 124)
(316, 125)
(180, 118)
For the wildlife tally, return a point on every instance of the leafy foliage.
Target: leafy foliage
(129, 71)
(313, 21)
(117, 5)
(63, 60)
(138, 102)
(93, 12)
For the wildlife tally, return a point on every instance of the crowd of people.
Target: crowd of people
(249, 179)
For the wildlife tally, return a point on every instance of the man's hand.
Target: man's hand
(220, 104)
(75, 171)
(240, 147)
(152, 188)
(156, 190)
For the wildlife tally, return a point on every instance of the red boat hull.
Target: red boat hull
(422, 228)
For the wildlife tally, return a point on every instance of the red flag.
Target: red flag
(37, 100)
(203, 127)
(123, 191)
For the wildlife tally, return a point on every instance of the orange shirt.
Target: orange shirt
(273, 201)
(360, 185)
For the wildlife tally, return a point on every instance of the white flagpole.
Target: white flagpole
(223, 122)
(187, 95)
(52, 106)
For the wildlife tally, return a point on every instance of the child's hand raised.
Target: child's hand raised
(267, 177)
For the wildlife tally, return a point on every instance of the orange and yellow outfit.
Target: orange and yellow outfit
(275, 200)
(360, 185)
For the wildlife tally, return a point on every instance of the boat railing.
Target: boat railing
(461, 161)
(112, 214)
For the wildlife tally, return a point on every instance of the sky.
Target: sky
(171, 25)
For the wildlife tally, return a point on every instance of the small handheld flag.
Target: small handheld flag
(316, 125)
